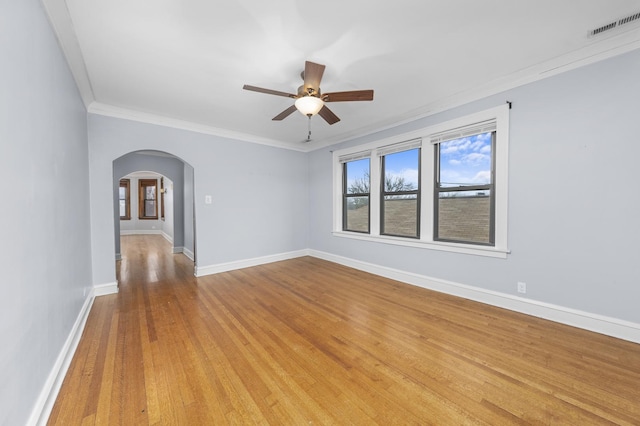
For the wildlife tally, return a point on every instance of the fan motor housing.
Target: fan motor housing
(302, 91)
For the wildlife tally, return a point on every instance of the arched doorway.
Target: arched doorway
(169, 180)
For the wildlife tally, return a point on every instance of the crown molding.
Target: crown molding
(63, 28)
(149, 118)
(609, 47)
(598, 48)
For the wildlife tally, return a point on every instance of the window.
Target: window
(355, 190)
(457, 203)
(400, 192)
(124, 196)
(147, 199)
(162, 192)
(464, 195)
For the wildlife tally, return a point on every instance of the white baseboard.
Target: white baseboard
(177, 250)
(44, 404)
(141, 232)
(104, 289)
(46, 399)
(118, 256)
(246, 263)
(167, 237)
(614, 327)
(189, 254)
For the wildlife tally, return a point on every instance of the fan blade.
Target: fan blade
(284, 114)
(312, 75)
(328, 115)
(268, 91)
(353, 95)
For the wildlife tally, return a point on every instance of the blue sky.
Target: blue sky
(465, 161)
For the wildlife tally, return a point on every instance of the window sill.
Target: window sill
(429, 245)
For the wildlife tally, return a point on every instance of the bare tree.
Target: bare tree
(391, 184)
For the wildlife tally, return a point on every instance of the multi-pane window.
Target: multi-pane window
(400, 194)
(124, 198)
(443, 187)
(356, 185)
(147, 199)
(464, 196)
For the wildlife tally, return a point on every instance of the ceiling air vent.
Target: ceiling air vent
(603, 29)
(616, 25)
(629, 19)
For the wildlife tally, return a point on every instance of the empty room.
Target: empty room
(249, 212)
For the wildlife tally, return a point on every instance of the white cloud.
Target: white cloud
(483, 176)
(455, 146)
(409, 175)
(475, 158)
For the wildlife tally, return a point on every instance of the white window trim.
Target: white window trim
(500, 250)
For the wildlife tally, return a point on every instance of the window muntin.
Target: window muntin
(400, 194)
(124, 198)
(464, 202)
(147, 199)
(356, 195)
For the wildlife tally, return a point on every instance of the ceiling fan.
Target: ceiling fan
(310, 100)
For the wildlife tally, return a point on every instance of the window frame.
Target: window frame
(142, 184)
(125, 183)
(162, 192)
(440, 189)
(346, 195)
(426, 240)
(384, 193)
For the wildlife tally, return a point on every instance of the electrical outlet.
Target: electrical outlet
(522, 287)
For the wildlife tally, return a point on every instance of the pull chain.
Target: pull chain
(309, 128)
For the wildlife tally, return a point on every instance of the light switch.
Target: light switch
(207, 199)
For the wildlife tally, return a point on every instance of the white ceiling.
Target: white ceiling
(183, 62)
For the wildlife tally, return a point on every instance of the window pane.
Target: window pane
(357, 214)
(466, 161)
(401, 215)
(123, 193)
(123, 208)
(357, 175)
(150, 192)
(401, 171)
(149, 208)
(465, 216)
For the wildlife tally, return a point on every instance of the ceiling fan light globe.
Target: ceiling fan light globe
(309, 105)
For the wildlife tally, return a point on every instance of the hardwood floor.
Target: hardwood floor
(306, 341)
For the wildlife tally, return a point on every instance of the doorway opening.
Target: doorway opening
(153, 195)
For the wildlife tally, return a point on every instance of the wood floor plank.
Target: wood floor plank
(306, 341)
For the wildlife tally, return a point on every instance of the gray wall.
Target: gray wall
(45, 252)
(573, 199)
(135, 224)
(172, 168)
(260, 201)
(189, 219)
